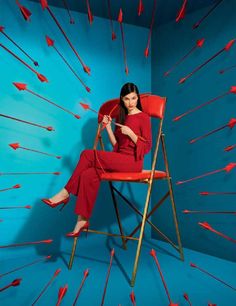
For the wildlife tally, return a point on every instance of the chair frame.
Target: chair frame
(144, 214)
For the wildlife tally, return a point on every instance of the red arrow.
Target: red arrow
(205, 193)
(230, 124)
(227, 69)
(24, 11)
(186, 211)
(153, 254)
(199, 44)
(140, 7)
(132, 297)
(41, 77)
(211, 275)
(26, 243)
(86, 273)
(232, 90)
(108, 274)
(197, 24)
(146, 52)
(227, 168)
(50, 43)
(72, 21)
(23, 173)
(10, 188)
(120, 20)
(61, 293)
(229, 148)
(45, 5)
(186, 297)
(207, 226)
(27, 265)
(16, 207)
(21, 86)
(14, 283)
(9, 38)
(48, 128)
(226, 48)
(90, 15)
(182, 11)
(113, 34)
(47, 285)
(16, 146)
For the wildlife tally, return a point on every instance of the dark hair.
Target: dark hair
(125, 90)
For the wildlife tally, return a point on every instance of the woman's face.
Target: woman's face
(130, 101)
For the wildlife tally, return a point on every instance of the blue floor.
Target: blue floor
(94, 252)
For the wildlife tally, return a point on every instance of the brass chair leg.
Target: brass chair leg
(118, 216)
(140, 237)
(73, 252)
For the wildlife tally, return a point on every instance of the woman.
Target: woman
(130, 141)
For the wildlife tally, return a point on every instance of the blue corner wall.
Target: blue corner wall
(71, 136)
(170, 43)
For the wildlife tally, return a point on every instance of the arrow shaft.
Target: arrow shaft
(208, 134)
(45, 99)
(11, 207)
(64, 34)
(23, 121)
(209, 12)
(152, 23)
(23, 173)
(123, 44)
(44, 289)
(21, 244)
(78, 293)
(203, 175)
(36, 151)
(107, 278)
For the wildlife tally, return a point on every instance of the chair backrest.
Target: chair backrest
(153, 105)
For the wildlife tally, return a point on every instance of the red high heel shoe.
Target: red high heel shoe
(76, 234)
(53, 205)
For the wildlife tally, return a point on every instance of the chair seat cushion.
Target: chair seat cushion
(132, 176)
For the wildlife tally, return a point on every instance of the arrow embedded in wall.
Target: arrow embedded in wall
(26, 265)
(229, 148)
(226, 48)
(15, 207)
(182, 11)
(227, 169)
(56, 273)
(108, 275)
(10, 188)
(26, 243)
(24, 11)
(21, 86)
(197, 24)
(227, 69)
(86, 273)
(9, 38)
(153, 254)
(41, 77)
(211, 275)
(120, 20)
(50, 43)
(48, 128)
(206, 193)
(45, 5)
(230, 124)
(90, 15)
(186, 297)
(140, 7)
(113, 34)
(16, 146)
(232, 90)
(61, 293)
(186, 211)
(146, 52)
(199, 44)
(72, 21)
(14, 283)
(208, 227)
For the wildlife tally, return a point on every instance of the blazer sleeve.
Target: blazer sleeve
(144, 142)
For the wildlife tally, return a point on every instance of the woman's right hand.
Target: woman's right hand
(107, 121)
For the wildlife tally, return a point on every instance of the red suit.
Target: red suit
(126, 157)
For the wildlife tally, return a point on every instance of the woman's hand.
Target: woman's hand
(125, 129)
(107, 121)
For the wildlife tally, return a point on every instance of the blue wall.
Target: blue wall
(171, 42)
(105, 58)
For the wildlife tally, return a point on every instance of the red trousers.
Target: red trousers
(85, 179)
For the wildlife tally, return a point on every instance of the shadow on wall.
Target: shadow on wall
(47, 223)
